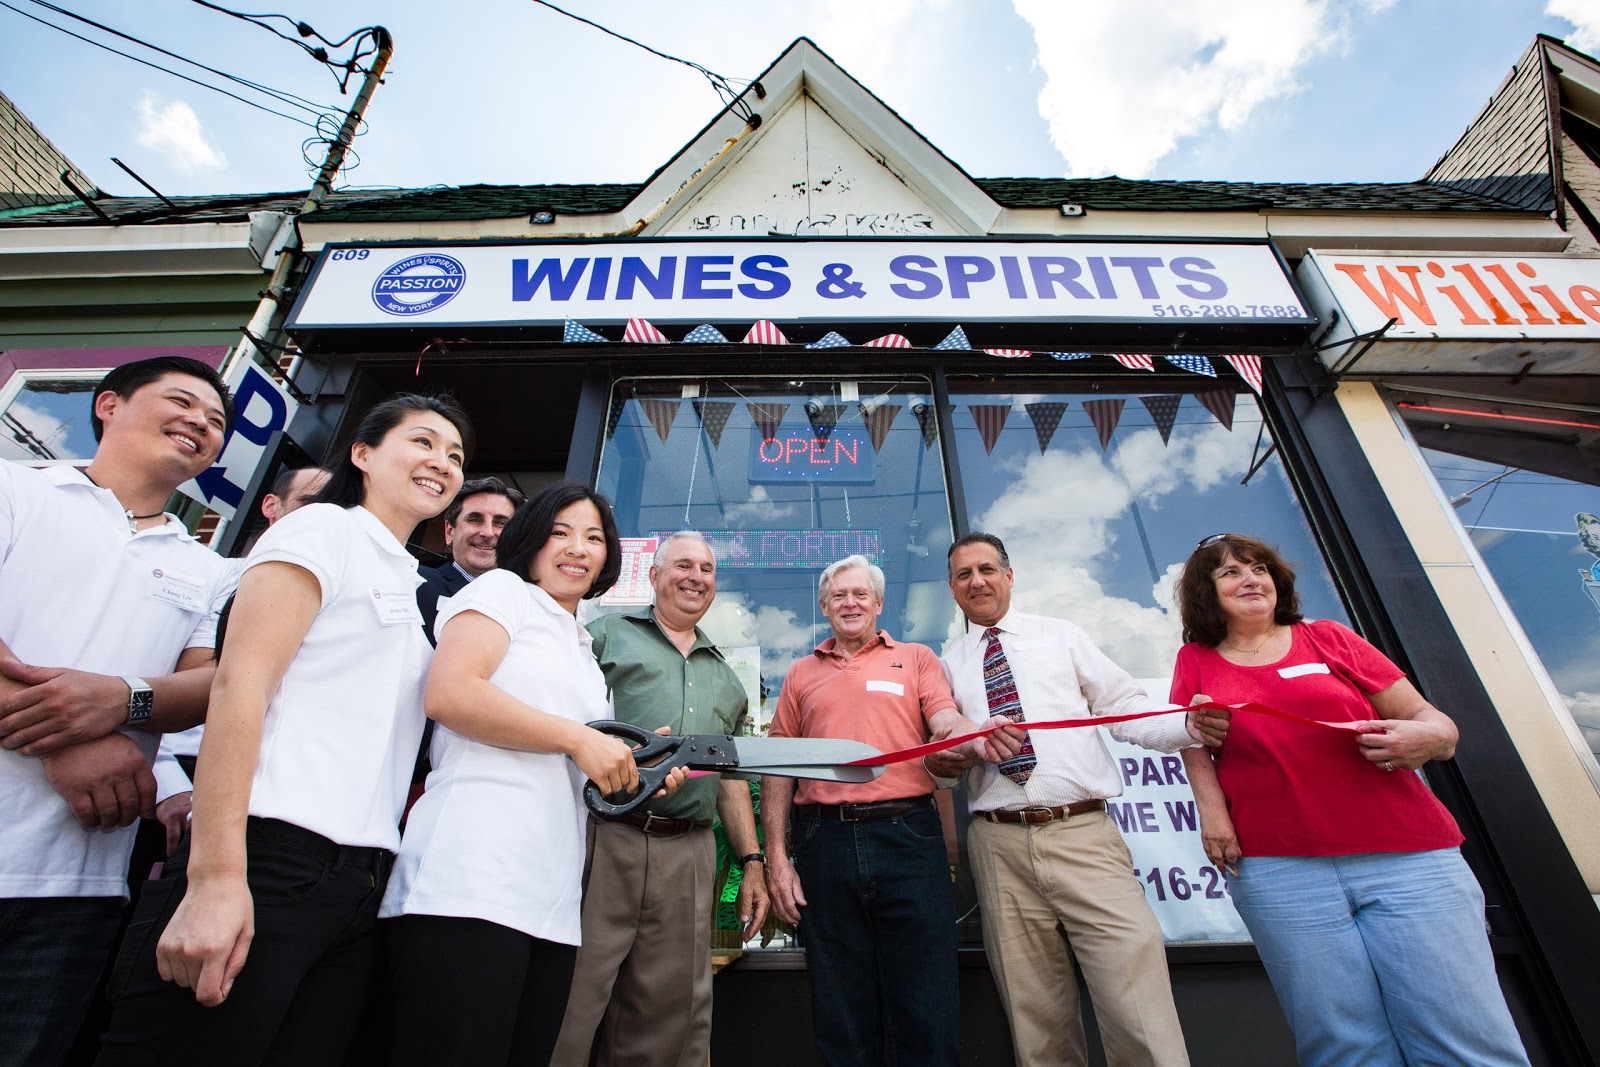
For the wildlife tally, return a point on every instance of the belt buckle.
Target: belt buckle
(850, 812)
(1029, 812)
(650, 820)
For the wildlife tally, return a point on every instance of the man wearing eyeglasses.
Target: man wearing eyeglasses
(1044, 853)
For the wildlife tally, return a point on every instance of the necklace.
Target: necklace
(1252, 651)
(133, 520)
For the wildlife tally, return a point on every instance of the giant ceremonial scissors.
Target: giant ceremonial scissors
(787, 757)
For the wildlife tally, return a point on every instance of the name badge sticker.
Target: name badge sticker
(875, 686)
(396, 607)
(181, 590)
(1300, 670)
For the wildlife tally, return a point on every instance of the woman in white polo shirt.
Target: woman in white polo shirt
(483, 909)
(267, 911)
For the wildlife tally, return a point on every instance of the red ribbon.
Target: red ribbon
(918, 751)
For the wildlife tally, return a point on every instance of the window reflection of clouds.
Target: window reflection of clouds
(690, 481)
(1525, 527)
(1067, 515)
(59, 421)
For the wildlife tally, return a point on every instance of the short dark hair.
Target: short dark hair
(978, 538)
(283, 484)
(1203, 620)
(346, 487)
(477, 487)
(530, 528)
(131, 377)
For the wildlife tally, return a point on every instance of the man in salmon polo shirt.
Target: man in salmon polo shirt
(868, 885)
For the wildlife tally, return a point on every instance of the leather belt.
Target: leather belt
(656, 825)
(1032, 816)
(877, 809)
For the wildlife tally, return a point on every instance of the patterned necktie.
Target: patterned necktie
(1001, 689)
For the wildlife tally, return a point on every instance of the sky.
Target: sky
(511, 92)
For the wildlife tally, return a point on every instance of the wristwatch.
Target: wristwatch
(141, 699)
(754, 857)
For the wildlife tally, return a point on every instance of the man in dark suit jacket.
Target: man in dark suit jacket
(472, 527)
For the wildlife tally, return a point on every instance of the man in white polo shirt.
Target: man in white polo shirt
(106, 629)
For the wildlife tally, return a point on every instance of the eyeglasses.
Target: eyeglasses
(1207, 542)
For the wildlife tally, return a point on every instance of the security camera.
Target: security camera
(813, 409)
(919, 406)
(1072, 211)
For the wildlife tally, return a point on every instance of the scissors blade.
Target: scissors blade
(831, 772)
(771, 754)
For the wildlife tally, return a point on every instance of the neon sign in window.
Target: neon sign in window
(790, 548)
(800, 454)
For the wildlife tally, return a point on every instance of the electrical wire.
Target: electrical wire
(156, 66)
(730, 96)
(285, 97)
(366, 41)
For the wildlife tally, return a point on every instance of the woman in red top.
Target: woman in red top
(1345, 868)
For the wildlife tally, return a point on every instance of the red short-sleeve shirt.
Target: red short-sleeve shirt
(1298, 790)
(884, 696)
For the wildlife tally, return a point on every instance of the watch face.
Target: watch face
(141, 702)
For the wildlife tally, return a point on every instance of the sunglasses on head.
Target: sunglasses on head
(1207, 542)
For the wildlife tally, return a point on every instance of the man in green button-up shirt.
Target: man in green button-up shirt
(643, 975)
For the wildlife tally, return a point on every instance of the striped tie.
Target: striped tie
(1001, 689)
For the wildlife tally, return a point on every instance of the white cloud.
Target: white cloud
(1057, 561)
(1126, 80)
(174, 130)
(761, 511)
(1585, 18)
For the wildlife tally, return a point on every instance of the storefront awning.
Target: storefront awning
(1495, 315)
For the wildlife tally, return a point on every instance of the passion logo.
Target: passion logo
(418, 284)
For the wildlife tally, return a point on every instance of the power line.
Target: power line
(285, 97)
(366, 40)
(157, 66)
(723, 86)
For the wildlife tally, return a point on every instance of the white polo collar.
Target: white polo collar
(381, 535)
(68, 477)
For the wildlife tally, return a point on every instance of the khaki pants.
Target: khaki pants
(643, 975)
(1076, 873)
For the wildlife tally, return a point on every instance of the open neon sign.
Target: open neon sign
(800, 454)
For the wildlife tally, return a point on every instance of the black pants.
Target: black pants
(300, 997)
(473, 992)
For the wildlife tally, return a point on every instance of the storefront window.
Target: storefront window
(783, 477)
(45, 419)
(1100, 497)
(1524, 485)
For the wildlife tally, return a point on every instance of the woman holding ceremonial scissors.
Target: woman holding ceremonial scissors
(1343, 865)
(482, 912)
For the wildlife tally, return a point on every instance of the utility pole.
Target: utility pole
(261, 323)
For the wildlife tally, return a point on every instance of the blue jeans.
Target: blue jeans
(53, 952)
(879, 930)
(1379, 959)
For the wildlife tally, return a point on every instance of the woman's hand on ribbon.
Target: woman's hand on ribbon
(1207, 725)
(1404, 744)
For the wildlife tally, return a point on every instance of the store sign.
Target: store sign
(1467, 296)
(264, 408)
(693, 281)
(791, 548)
(1157, 817)
(802, 454)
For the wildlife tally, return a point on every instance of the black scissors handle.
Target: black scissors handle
(647, 746)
